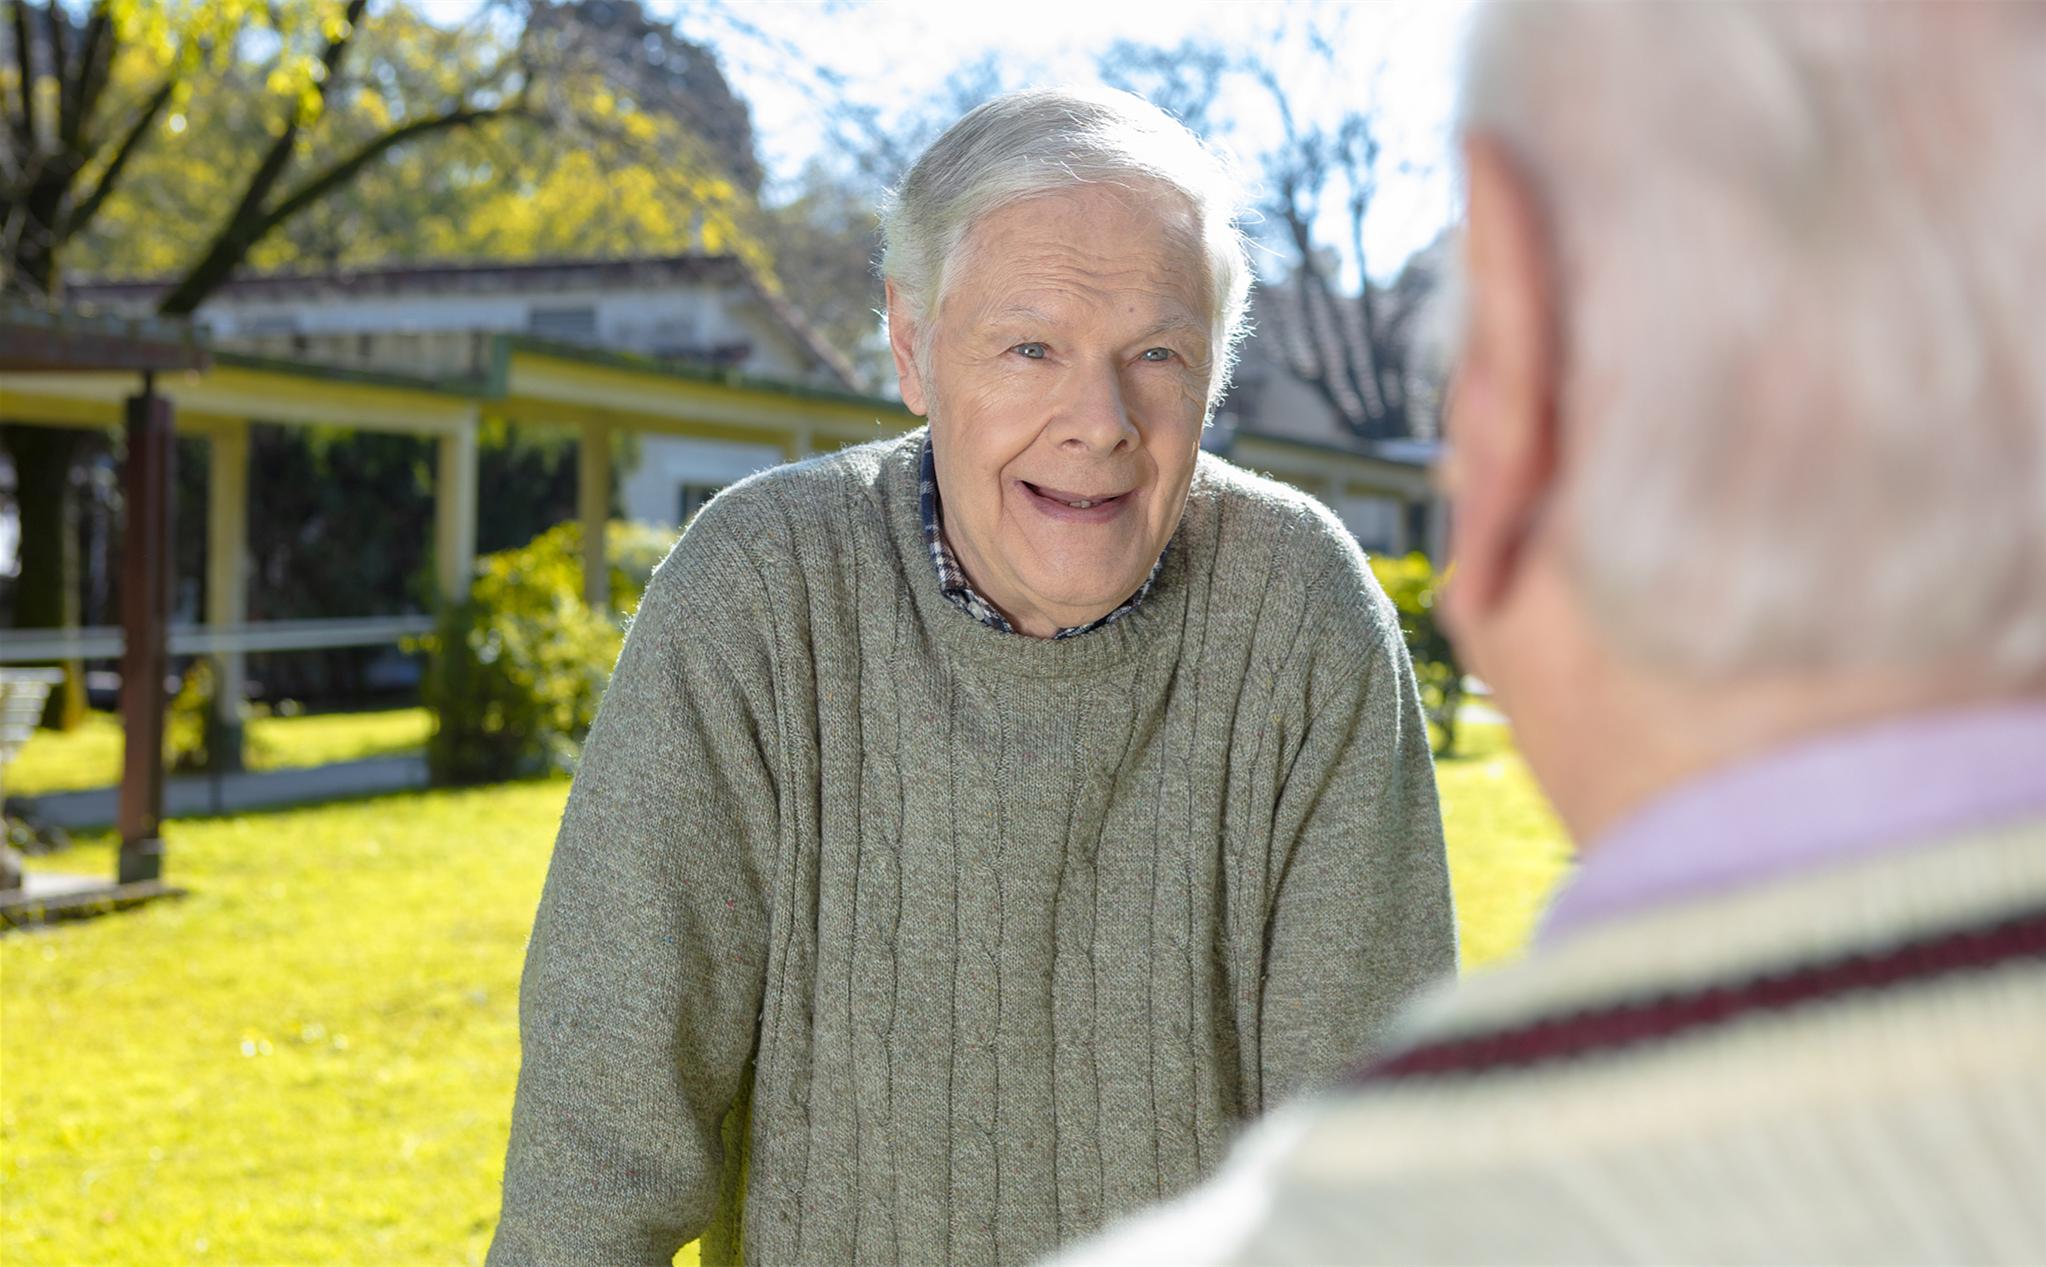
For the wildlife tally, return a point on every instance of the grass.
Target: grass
(311, 1059)
(90, 756)
(308, 1060)
(1507, 852)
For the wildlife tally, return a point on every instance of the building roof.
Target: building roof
(495, 277)
(42, 339)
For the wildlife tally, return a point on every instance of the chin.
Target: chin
(1096, 596)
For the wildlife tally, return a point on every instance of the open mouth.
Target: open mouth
(1073, 500)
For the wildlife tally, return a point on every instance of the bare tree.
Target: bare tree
(1346, 338)
(1347, 348)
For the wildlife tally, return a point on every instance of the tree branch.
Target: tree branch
(1378, 344)
(95, 64)
(55, 25)
(82, 214)
(345, 170)
(1369, 343)
(241, 230)
(24, 56)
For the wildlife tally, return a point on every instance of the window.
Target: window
(569, 325)
(259, 326)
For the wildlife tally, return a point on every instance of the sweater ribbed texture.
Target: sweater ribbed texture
(976, 940)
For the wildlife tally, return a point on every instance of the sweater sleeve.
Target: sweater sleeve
(644, 976)
(1361, 916)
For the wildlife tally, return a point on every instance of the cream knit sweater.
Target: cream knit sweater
(1844, 1067)
(975, 940)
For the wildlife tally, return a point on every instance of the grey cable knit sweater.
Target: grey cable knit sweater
(965, 941)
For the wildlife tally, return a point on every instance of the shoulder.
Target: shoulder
(761, 507)
(752, 540)
(1305, 556)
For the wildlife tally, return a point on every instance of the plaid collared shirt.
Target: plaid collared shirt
(952, 582)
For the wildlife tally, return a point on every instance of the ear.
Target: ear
(1503, 417)
(902, 336)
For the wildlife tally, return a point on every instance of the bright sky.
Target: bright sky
(894, 53)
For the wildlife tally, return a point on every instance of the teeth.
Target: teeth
(1080, 505)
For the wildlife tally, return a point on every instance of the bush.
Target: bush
(516, 670)
(633, 551)
(188, 727)
(1412, 583)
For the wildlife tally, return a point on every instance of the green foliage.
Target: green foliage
(517, 670)
(649, 119)
(188, 727)
(1412, 584)
(633, 550)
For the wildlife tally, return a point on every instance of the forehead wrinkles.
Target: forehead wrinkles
(1079, 254)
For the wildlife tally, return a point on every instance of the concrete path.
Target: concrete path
(198, 795)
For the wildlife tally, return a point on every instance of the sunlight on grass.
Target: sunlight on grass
(311, 1058)
(308, 1060)
(1507, 852)
(90, 756)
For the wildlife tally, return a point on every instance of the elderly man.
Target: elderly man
(1750, 457)
(981, 826)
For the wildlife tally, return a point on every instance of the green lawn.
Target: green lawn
(91, 755)
(310, 1060)
(1507, 852)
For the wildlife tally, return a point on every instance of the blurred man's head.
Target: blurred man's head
(1749, 430)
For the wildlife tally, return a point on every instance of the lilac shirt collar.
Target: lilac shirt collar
(1824, 801)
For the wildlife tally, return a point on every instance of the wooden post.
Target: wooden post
(593, 507)
(454, 513)
(227, 553)
(145, 620)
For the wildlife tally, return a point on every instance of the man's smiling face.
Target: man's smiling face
(1066, 381)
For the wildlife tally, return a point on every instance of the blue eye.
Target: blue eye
(1031, 351)
(1157, 354)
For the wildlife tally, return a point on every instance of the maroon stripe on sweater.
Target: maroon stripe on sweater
(1637, 1022)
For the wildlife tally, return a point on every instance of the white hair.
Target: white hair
(1800, 264)
(1028, 144)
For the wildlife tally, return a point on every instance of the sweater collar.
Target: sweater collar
(953, 582)
(1823, 802)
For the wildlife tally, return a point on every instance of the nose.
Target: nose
(1091, 416)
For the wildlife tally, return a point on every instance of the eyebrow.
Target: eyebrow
(1177, 324)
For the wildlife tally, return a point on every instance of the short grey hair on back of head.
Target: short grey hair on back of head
(1800, 267)
(1028, 144)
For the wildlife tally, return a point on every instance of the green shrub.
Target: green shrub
(1412, 584)
(194, 740)
(633, 550)
(188, 721)
(516, 671)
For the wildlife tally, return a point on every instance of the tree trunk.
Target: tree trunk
(46, 595)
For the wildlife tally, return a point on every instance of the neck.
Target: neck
(1606, 737)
